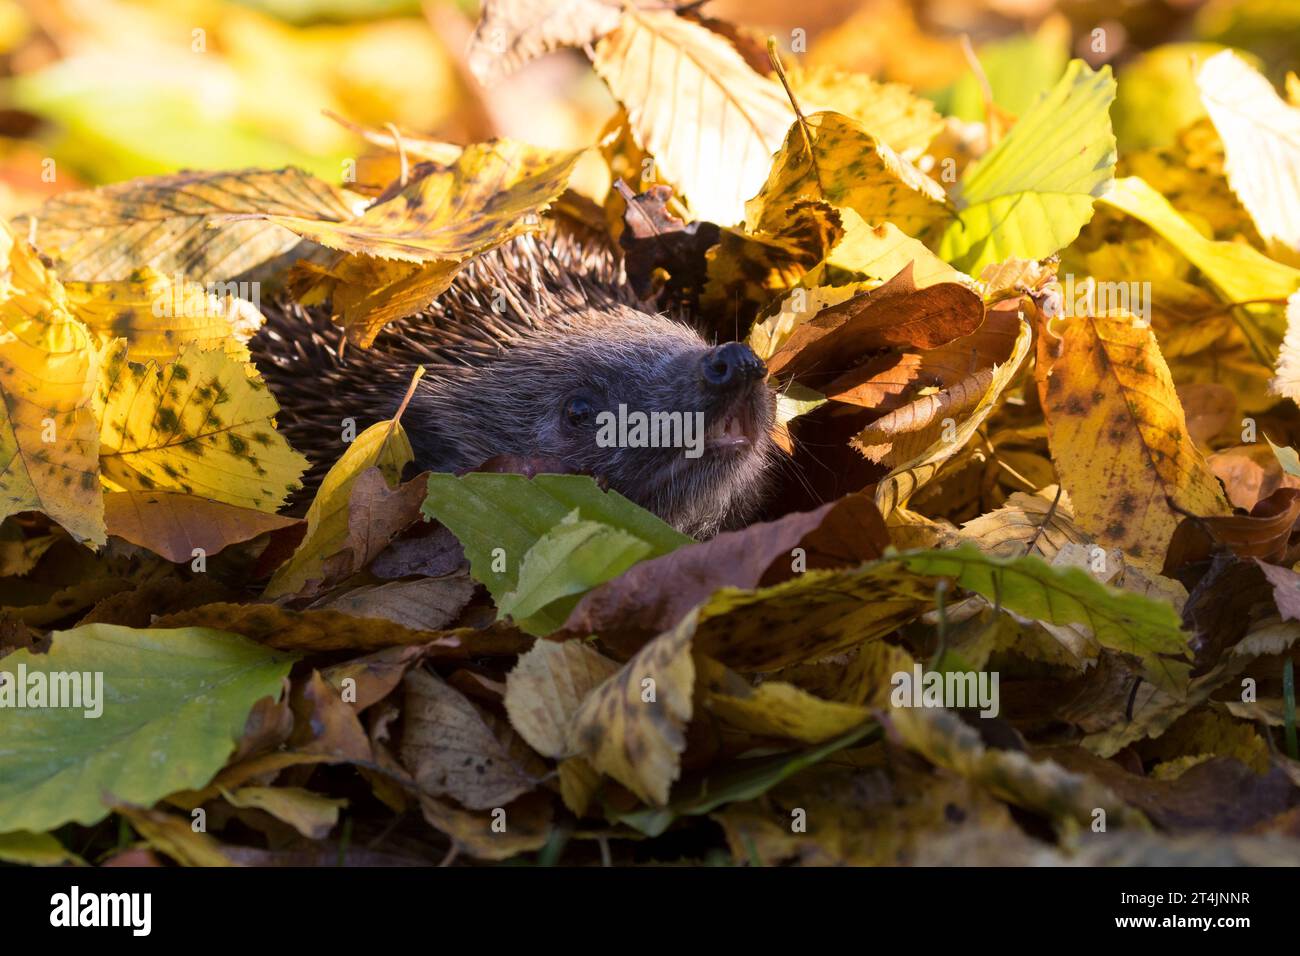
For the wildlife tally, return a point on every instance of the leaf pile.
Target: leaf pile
(1039, 385)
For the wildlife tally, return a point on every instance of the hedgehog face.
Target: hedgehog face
(676, 425)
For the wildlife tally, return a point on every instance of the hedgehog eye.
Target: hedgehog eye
(579, 412)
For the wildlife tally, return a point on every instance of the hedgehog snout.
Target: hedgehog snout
(730, 367)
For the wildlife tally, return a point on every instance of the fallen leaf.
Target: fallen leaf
(202, 425)
(512, 32)
(49, 365)
(181, 527)
(1261, 136)
(197, 683)
(162, 222)
(710, 121)
(547, 687)
(1119, 436)
(1013, 201)
(632, 727)
(452, 751)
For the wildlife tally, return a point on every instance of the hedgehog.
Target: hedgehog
(541, 350)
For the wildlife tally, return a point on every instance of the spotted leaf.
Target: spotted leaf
(847, 167)
(49, 441)
(201, 424)
(1119, 437)
(487, 196)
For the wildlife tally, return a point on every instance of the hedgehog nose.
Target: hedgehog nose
(730, 366)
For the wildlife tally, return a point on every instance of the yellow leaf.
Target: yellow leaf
(201, 424)
(811, 616)
(710, 121)
(1287, 381)
(311, 814)
(1008, 531)
(36, 849)
(49, 439)
(486, 197)
(778, 709)
(847, 167)
(106, 234)
(1119, 436)
(547, 687)
(745, 270)
(175, 837)
(879, 252)
(158, 316)
(633, 726)
(527, 826)
(367, 293)
(383, 445)
(1237, 271)
(1043, 785)
(889, 111)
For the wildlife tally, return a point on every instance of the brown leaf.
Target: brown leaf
(654, 595)
(427, 551)
(316, 629)
(894, 314)
(175, 525)
(376, 515)
(373, 676)
(1210, 409)
(1286, 589)
(450, 749)
(520, 827)
(653, 239)
(1221, 794)
(326, 725)
(547, 687)
(427, 604)
(1268, 533)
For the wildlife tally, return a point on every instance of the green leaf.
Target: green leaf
(1032, 193)
(173, 704)
(565, 563)
(1120, 620)
(1019, 69)
(499, 518)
